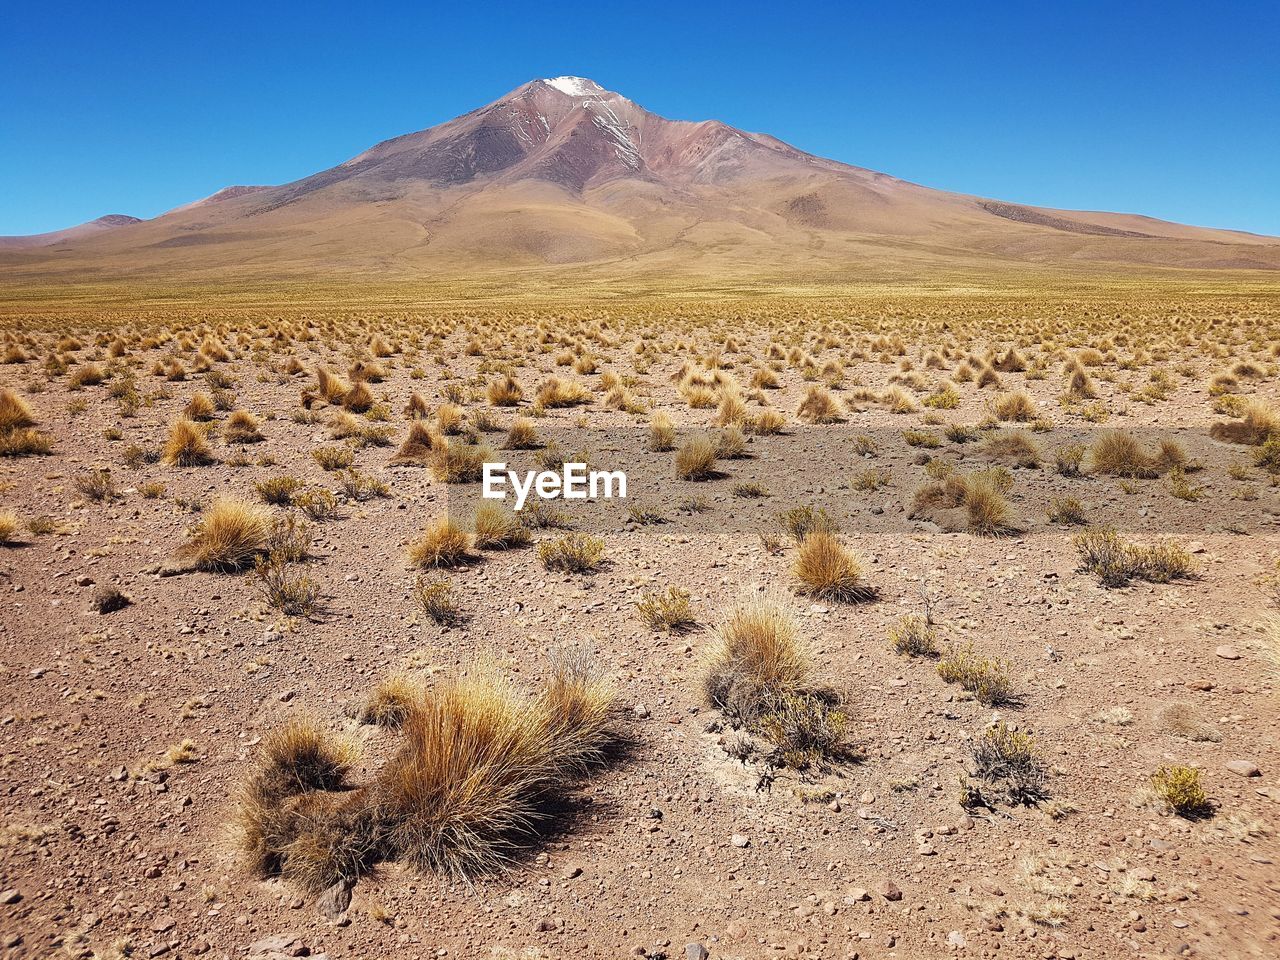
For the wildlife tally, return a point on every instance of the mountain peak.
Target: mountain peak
(575, 86)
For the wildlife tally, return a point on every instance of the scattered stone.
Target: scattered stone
(8, 897)
(1227, 652)
(889, 890)
(695, 951)
(1243, 768)
(956, 939)
(740, 840)
(334, 902)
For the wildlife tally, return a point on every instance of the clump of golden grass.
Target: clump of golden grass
(187, 446)
(1256, 424)
(1119, 454)
(278, 491)
(757, 653)
(96, 485)
(229, 535)
(332, 388)
(242, 427)
(758, 677)
(1180, 788)
(505, 392)
(522, 435)
(696, 459)
(1017, 406)
(1067, 510)
(828, 570)
(984, 677)
(359, 398)
(199, 407)
(981, 494)
(450, 419)
(451, 461)
(573, 553)
(666, 610)
(9, 527)
(820, 405)
(498, 529)
(1012, 446)
(480, 763)
(1115, 562)
(391, 701)
(766, 423)
(333, 458)
(17, 436)
(558, 392)
(442, 543)
(662, 433)
(800, 522)
(417, 446)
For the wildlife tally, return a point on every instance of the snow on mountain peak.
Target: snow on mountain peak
(576, 86)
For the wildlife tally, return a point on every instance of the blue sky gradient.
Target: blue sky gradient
(1170, 109)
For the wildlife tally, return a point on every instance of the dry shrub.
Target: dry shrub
(1115, 562)
(229, 535)
(696, 459)
(766, 423)
(829, 570)
(1067, 510)
(757, 653)
(1008, 759)
(17, 438)
(359, 398)
(1080, 386)
(278, 491)
(450, 419)
(442, 543)
(980, 494)
(914, 636)
(332, 388)
(497, 528)
(109, 599)
(666, 610)
(293, 594)
(435, 597)
(986, 678)
(187, 446)
(573, 553)
(820, 405)
(1182, 792)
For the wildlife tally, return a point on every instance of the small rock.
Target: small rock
(957, 940)
(640, 710)
(695, 951)
(8, 897)
(889, 890)
(740, 840)
(1227, 652)
(1243, 768)
(334, 902)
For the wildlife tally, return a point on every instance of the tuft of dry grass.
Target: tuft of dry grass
(230, 534)
(242, 427)
(914, 636)
(391, 701)
(14, 412)
(820, 405)
(435, 597)
(9, 527)
(442, 543)
(497, 528)
(187, 446)
(505, 392)
(696, 459)
(1008, 759)
(829, 570)
(662, 433)
(757, 653)
(1017, 406)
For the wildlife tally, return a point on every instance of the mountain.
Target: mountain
(110, 222)
(563, 178)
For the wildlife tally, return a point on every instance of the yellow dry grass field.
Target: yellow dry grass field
(938, 620)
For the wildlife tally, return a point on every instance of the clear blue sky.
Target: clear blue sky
(1170, 109)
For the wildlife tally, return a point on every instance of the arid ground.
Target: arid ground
(1003, 566)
